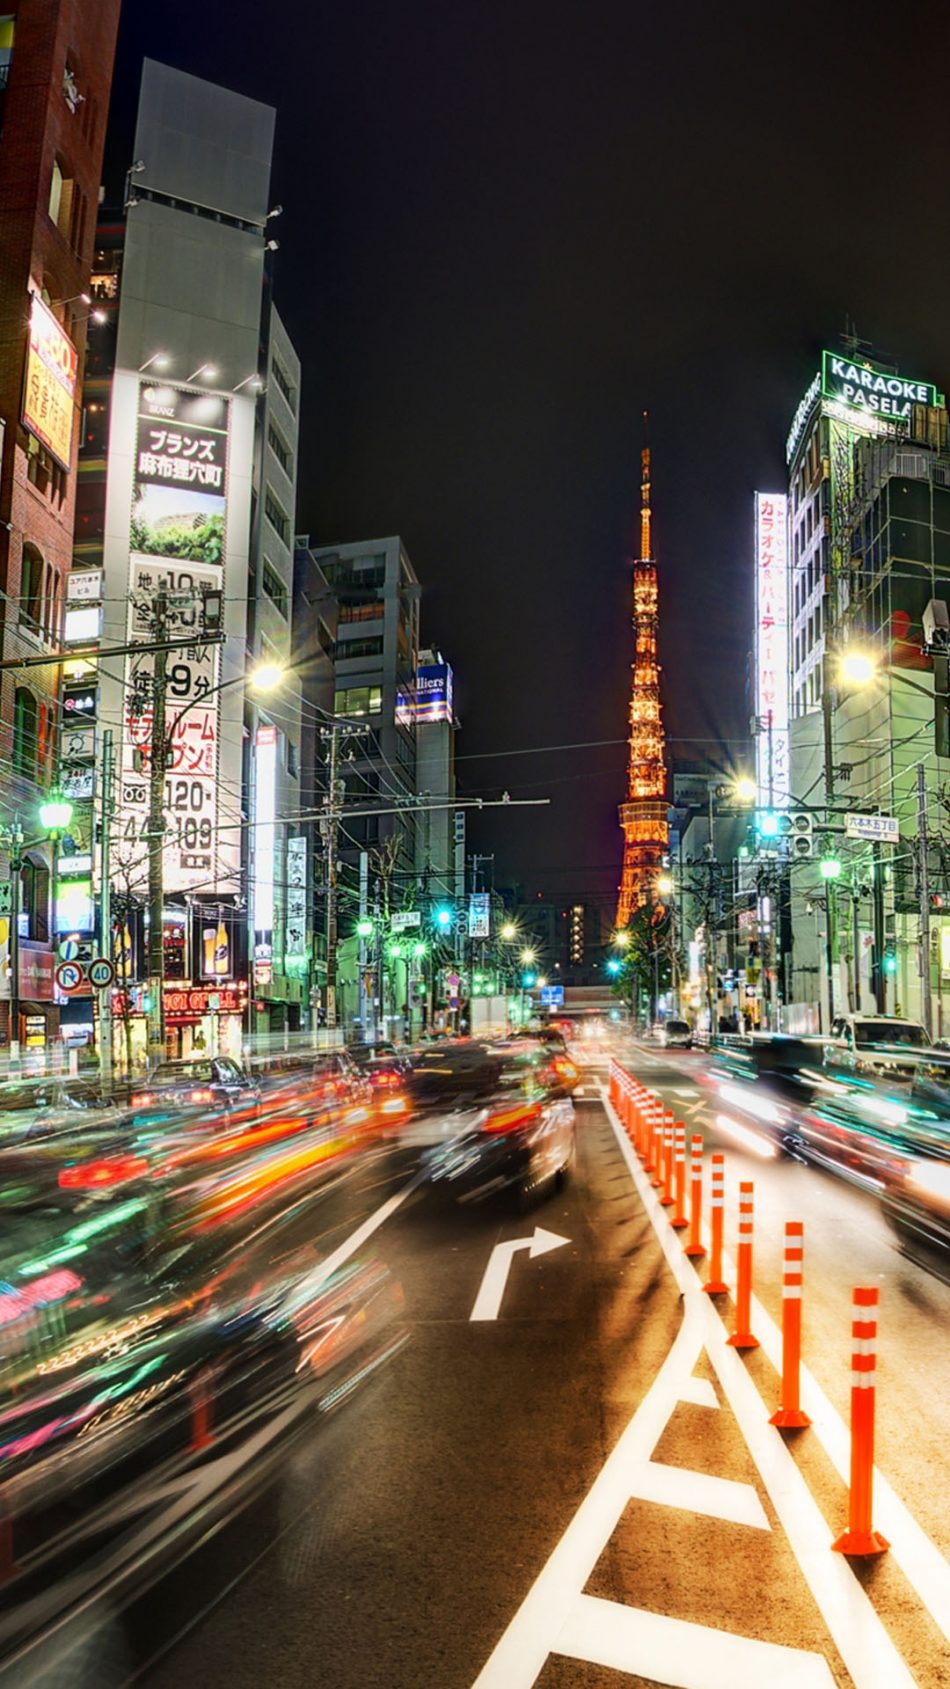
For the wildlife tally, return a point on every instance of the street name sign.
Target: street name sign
(880, 829)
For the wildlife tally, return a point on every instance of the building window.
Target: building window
(358, 700)
(293, 758)
(61, 195)
(356, 612)
(31, 589)
(276, 516)
(280, 449)
(7, 27)
(26, 719)
(275, 588)
(283, 382)
(359, 648)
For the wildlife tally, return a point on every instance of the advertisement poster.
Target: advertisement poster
(176, 546)
(49, 390)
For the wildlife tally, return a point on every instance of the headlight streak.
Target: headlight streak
(746, 1138)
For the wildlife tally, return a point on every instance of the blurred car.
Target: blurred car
(41, 1104)
(521, 1140)
(168, 1332)
(211, 1082)
(885, 1044)
(381, 1053)
(676, 1035)
(915, 1198)
(453, 1073)
(765, 1082)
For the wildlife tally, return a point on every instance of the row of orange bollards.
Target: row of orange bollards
(660, 1143)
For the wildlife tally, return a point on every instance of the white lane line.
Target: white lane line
(673, 1651)
(858, 1632)
(326, 1268)
(700, 1492)
(919, 1559)
(684, 1090)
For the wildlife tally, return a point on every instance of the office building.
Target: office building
(56, 59)
(197, 438)
(868, 548)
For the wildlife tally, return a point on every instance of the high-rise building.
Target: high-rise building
(868, 548)
(376, 658)
(643, 817)
(56, 59)
(195, 435)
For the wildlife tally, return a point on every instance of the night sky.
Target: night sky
(507, 229)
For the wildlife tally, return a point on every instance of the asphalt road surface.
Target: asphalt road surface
(581, 1487)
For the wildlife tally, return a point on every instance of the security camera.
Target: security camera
(271, 245)
(138, 165)
(277, 209)
(936, 623)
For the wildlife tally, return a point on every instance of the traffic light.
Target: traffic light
(801, 836)
(528, 980)
(890, 961)
(364, 928)
(613, 966)
(767, 823)
(442, 917)
(829, 867)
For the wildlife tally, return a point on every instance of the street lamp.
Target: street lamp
(527, 956)
(509, 931)
(266, 677)
(622, 939)
(664, 885)
(856, 667)
(745, 789)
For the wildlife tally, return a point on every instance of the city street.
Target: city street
(560, 1493)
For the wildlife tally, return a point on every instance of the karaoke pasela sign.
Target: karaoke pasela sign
(874, 391)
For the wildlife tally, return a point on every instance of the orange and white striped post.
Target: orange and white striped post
(791, 1414)
(666, 1198)
(695, 1247)
(860, 1536)
(679, 1220)
(613, 1085)
(715, 1284)
(740, 1336)
(646, 1110)
(637, 1108)
(656, 1115)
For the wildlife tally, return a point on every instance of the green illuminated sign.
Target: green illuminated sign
(871, 390)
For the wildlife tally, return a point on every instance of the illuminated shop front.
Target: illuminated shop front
(205, 1020)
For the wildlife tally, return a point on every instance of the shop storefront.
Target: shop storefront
(204, 1020)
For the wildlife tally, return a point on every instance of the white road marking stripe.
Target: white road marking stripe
(356, 1239)
(673, 1651)
(700, 1492)
(860, 1636)
(700, 1392)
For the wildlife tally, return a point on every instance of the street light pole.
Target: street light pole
(16, 869)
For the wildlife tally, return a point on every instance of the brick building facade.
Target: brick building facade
(56, 59)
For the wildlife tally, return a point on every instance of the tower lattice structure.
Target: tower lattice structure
(644, 815)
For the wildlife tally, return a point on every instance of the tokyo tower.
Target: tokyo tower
(644, 815)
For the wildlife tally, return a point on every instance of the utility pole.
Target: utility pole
(156, 834)
(880, 978)
(105, 912)
(923, 887)
(16, 869)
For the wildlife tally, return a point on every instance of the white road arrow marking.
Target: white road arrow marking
(492, 1288)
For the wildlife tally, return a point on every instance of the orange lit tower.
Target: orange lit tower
(644, 815)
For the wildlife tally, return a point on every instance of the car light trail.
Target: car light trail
(746, 1138)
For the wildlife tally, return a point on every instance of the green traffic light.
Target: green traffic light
(829, 867)
(364, 928)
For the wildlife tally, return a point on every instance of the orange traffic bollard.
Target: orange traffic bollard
(860, 1537)
(656, 1133)
(636, 1109)
(791, 1414)
(679, 1220)
(695, 1247)
(741, 1337)
(715, 1284)
(666, 1198)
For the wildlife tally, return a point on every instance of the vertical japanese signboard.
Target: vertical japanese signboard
(49, 388)
(176, 545)
(771, 650)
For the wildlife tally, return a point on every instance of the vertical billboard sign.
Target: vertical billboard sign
(265, 839)
(176, 545)
(49, 389)
(773, 771)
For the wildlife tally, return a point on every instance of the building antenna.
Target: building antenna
(645, 542)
